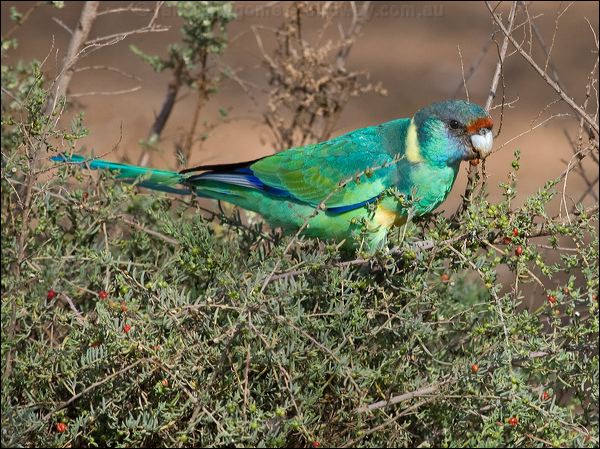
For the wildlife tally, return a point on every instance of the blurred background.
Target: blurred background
(412, 49)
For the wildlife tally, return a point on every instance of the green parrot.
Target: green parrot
(352, 188)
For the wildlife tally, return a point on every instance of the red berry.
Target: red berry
(474, 368)
(61, 427)
(51, 294)
(123, 307)
(315, 444)
(506, 240)
(102, 294)
(515, 232)
(551, 299)
(126, 328)
(545, 396)
(474, 162)
(519, 250)
(165, 382)
(514, 421)
(444, 278)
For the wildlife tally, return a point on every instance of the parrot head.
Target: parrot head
(453, 131)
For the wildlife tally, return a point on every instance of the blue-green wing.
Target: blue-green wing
(313, 172)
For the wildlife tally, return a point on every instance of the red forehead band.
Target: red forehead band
(476, 125)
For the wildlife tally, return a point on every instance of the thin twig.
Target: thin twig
(23, 19)
(462, 71)
(106, 93)
(553, 84)
(78, 314)
(499, 64)
(474, 66)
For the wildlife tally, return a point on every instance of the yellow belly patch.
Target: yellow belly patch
(387, 218)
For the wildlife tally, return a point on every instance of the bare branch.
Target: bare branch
(462, 70)
(110, 69)
(106, 93)
(358, 19)
(63, 25)
(498, 72)
(425, 391)
(77, 313)
(78, 38)
(473, 68)
(553, 84)
(130, 8)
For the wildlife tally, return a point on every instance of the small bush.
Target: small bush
(131, 318)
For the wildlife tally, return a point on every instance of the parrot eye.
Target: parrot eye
(454, 124)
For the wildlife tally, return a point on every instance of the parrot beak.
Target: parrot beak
(482, 142)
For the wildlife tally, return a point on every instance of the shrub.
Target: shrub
(133, 319)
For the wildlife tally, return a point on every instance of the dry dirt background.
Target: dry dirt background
(415, 58)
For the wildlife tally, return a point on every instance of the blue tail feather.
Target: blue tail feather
(162, 180)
